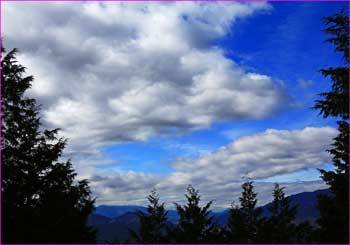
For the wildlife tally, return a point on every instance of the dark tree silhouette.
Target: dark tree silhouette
(41, 201)
(336, 102)
(244, 221)
(153, 224)
(195, 224)
(280, 226)
(236, 229)
(334, 211)
(304, 233)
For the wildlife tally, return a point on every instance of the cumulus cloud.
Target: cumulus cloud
(116, 72)
(219, 174)
(264, 154)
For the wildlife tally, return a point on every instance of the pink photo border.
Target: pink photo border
(131, 1)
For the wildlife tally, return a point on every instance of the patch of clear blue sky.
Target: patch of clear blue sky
(285, 43)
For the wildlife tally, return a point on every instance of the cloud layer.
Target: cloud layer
(218, 175)
(264, 154)
(116, 72)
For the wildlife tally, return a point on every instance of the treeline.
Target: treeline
(42, 201)
(245, 223)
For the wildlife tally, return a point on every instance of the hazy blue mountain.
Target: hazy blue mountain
(113, 222)
(117, 230)
(97, 219)
(306, 202)
(115, 211)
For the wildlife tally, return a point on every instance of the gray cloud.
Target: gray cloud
(116, 72)
(218, 175)
(264, 154)
(133, 188)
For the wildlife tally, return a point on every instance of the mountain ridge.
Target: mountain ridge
(113, 222)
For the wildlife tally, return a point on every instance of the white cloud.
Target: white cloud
(218, 175)
(262, 155)
(116, 72)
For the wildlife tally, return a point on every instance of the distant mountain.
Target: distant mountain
(113, 222)
(306, 202)
(117, 230)
(116, 211)
(97, 219)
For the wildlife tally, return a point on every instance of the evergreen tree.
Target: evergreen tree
(236, 228)
(153, 224)
(41, 201)
(336, 102)
(195, 223)
(334, 211)
(244, 222)
(280, 226)
(304, 233)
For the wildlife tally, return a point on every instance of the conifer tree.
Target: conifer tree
(304, 233)
(41, 200)
(244, 222)
(195, 223)
(280, 226)
(334, 211)
(248, 202)
(153, 224)
(236, 228)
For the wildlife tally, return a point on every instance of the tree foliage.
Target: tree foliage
(336, 102)
(244, 221)
(334, 211)
(236, 230)
(195, 222)
(280, 226)
(41, 200)
(153, 224)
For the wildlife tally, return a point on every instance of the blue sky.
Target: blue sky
(285, 43)
(162, 95)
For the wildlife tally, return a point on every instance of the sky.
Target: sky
(163, 95)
